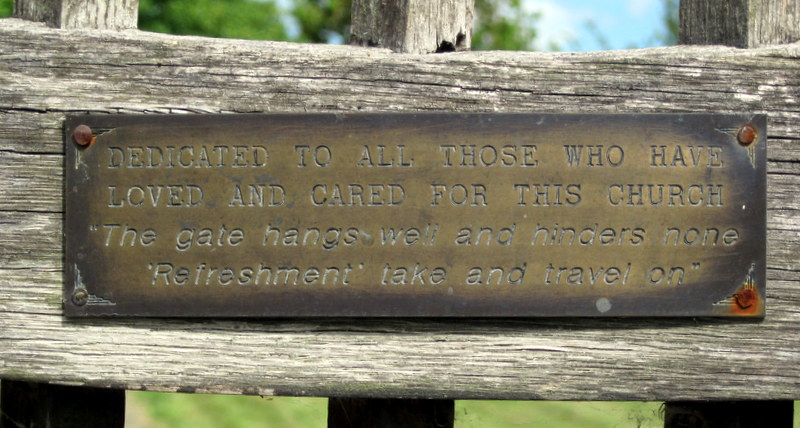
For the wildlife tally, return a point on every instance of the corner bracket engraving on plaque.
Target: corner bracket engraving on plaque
(80, 296)
(746, 300)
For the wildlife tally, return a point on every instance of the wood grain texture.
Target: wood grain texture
(86, 14)
(46, 74)
(741, 23)
(47, 11)
(413, 26)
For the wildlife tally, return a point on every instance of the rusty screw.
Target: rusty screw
(80, 297)
(83, 135)
(745, 298)
(747, 134)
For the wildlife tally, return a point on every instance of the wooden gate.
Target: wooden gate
(60, 57)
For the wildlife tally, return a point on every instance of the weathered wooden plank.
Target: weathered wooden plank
(741, 23)
(32, 132)
(85, 14)
(46, 74)
(413, 26)
(31, 188)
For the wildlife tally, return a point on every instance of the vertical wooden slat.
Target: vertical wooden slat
(413, 26)
(88, 14)
(367, 413)
(746, 24)
(47, 11)
(741, 23)
(28, 404)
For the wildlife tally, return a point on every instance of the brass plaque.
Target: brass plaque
(415, 215)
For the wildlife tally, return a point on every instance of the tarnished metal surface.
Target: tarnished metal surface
(415, 215)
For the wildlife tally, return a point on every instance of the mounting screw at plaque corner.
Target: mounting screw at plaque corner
(80, 297)
(747, 134)
(83, 135)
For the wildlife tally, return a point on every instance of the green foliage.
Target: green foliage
(500, 24)
(6, 8)
(503, 25)
(322, 21)
(243, 19)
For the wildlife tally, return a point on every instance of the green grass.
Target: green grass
(162, 410)
(200, 411)
(474, 414)
(228, 411)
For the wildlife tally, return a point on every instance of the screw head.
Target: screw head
(83, 135)
(745, 298)
(80, 297)
(747, 134)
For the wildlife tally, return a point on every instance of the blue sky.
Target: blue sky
(623, 23)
